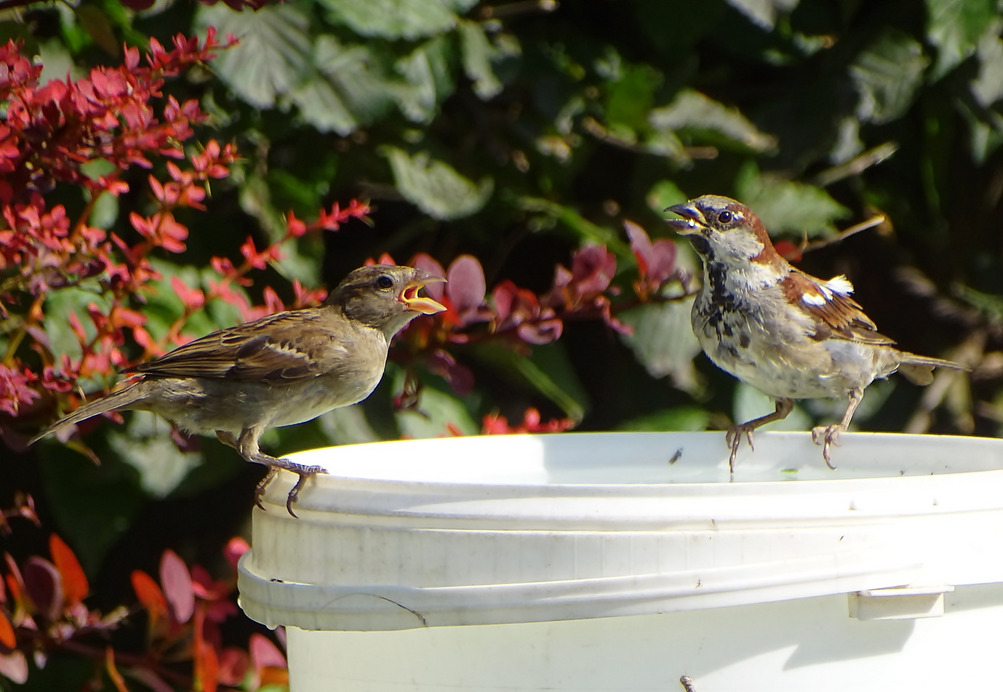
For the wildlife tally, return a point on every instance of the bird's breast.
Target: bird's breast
(758, 338)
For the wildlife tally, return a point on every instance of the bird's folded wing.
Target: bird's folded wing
(830, 303)
(284, 347)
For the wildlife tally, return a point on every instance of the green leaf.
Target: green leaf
(435, 187)
(59, 305)
(478, 54)
(630, 97)
(105, 211)
(348, 425)
(429, 80)
(163, 306)
(664, 194)
(546, 371)
(763, 12)
(95, 22)
(437, 411)
(986, 133)
(663, 341)
(681, 418)
(396, 19)
(56, 61)
(785, 205)
(888, 76)
(987, 87)
(93, 505)
(751, 403)
(273, 55)
(955, 27)
(584, 230)
(336, 87)
(146, 445)
(706, 121)
(347, 89)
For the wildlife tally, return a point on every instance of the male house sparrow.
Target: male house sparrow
(788, 334)
(279, 370)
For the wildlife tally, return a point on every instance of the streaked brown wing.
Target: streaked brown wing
(282, 347)
(841, 316)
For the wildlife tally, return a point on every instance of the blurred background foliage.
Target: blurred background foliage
(519, 132)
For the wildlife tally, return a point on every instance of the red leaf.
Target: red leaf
(427, 263)
(75, 586)
(206, 666)
(177, 584)
(294, 227)
(234, 550)
(506, 297)
(269, 663)
(14, 586)
(655, 261)
(233, 665)
(593, 267)
(149, 595)
(272, 301)
(264, 654)
(542, 332)
(141, 224)
(460, 377)
(192, 298)
(788, 250)
(465, 285)
(7, 637)
(43, 586)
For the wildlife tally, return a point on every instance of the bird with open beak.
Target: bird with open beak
(788, 334)
(278, 370)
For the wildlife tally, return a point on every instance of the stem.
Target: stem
(18, 336)
(44, 642)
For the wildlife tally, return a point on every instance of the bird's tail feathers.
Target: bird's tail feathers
(919, 369)
(116, 400)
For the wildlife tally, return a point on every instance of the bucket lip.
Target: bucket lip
(362, 462)
(373, 553)
(363, 480)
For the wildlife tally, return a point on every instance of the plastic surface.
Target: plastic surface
(805, 645)
(573, 537)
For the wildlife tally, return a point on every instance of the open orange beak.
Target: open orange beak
(417, 303)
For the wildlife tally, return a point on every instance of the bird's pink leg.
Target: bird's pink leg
(735, 433)
(247, 446)
(828, 435)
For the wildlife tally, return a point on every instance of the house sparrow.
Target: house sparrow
(279, 370)
(788, 334)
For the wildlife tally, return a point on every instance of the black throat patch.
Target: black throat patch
(720, 300)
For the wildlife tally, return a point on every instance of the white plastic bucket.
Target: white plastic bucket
(622, 561)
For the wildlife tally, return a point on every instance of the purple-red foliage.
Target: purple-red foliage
(116, 118)
(520, 318)
(43, 611)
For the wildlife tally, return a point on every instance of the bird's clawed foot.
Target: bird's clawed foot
(733, 438)
(274, 465)
(247, 444)
(735, 433)
(826, 435)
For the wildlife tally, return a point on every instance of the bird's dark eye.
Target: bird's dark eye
(384, 282)
(725, 217)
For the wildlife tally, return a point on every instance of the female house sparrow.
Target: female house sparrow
(279, 370)
(788, 334)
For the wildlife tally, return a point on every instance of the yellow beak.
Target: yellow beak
(417, 303)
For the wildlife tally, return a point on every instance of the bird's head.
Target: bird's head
(723, 230)
(385, 296)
